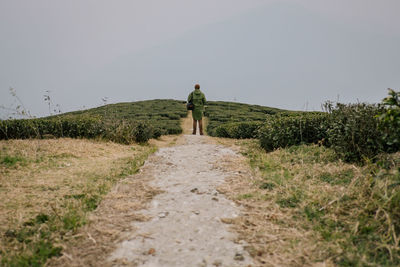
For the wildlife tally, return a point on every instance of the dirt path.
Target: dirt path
(186, 226)
(169, 214)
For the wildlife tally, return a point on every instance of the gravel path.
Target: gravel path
(186, 227)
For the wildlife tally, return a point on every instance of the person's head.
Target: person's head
(197, 86)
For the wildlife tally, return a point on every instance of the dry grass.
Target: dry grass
(303, 207)
(272, 241)
(109, 224)
(60, 178)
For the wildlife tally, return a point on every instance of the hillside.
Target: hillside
(316, 188)
(131, 121)
(163, 114)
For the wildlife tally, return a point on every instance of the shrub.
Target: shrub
(238, 130)
(390, 121)
(283, 131)
(354, 132)
(125, 132)
(219, 113)
(142, 132)
(57, 127)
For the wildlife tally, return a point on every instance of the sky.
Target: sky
(290, 54)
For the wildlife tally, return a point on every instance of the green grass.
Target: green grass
(354, 211)
(11, 161)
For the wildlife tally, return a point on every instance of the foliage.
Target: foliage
(354, 132)
(123, 123)
(390, 121)
(161, 115)
(238, 130)
(220, 113)
(39, 128)
(283, 130)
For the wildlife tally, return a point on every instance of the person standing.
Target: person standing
(199, 100)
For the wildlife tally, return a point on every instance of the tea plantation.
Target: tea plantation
(225, 117)
(122, 122)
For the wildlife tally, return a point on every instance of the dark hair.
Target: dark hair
(197, 86)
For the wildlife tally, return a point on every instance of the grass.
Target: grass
(340, 214)
(70, 176)
(10, 161)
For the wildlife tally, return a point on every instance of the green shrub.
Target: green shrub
(125, 132)
(354, 132)
(57, 127)
(284, 131)
(123, 122)
(142, 132)
(219, 113)
(390, 121)
(163, 115)
(238, 130)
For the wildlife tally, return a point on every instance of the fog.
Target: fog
(286, 54)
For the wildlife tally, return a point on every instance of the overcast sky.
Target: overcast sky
(291, 54)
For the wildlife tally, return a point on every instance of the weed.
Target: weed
(268, 186)
(10, 161)
(72, 220)
(290, 202)
(245, 196)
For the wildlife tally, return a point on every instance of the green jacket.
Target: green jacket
(199, 100)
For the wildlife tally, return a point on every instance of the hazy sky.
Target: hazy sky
(291, 54)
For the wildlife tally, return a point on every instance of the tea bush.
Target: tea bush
(283, 130)
(390, 121)
(124, 132)
(238, 130)
(123, 123)
(220, 113)
(61, 127)
(162, 115)
(354, 132)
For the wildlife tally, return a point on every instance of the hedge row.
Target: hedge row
(162, 114)
(78, 127)
(238, 130)
(356, 132)
(283, 131)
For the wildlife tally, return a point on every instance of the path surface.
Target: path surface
(186, 227)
